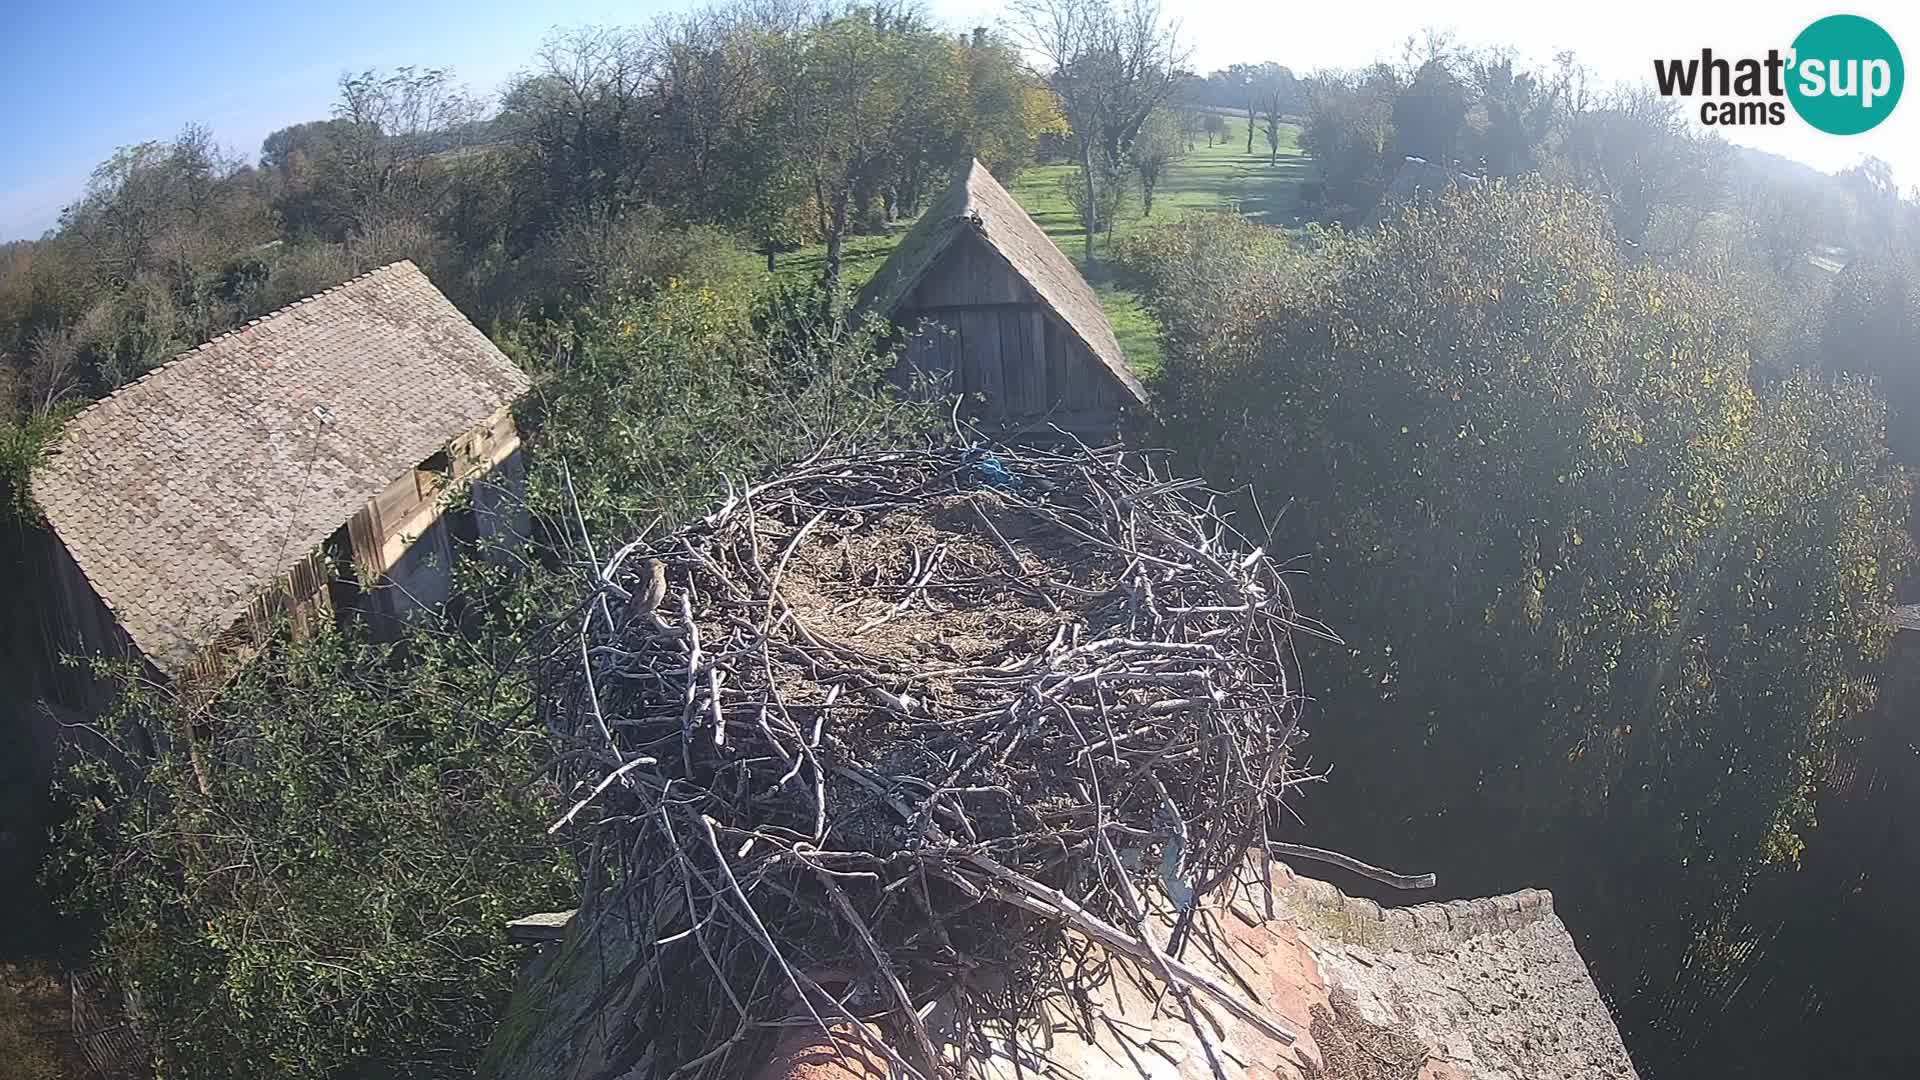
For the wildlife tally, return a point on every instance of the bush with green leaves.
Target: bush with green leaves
(652, 403)
(311, 875)
(1609, 609)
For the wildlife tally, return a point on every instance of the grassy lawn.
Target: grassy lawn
(1223, 177)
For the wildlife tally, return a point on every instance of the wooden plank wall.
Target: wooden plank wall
(72, 621)
(986, 332)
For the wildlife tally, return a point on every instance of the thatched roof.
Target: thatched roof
(976, 202)
(184, 495)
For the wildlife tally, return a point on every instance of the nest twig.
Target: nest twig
(874, 744)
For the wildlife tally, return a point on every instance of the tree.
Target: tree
(1518, 114)
(1872, 328)
(1430, 113)
(1609, 609)
(1639, 151)
(583, 123)
(1215, 126)
(1158, 145)
(1111, 67)
(1012, 109)
(1188, 122)
(711, 84)
(1350, 132)
(292, 149)
(844, 86)
(1273, 93)
(318, 887)
(380, 168)
(1882, 222)
(1107, 187)
(148, 206)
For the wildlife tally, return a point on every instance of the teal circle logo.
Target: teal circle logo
(1846, 75)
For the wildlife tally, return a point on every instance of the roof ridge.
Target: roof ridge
(231, 332)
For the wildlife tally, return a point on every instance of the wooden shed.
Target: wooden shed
(995, 309)
(295, 468)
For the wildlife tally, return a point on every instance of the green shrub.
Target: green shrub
(656, 401)
(310, 877)
(1609, 608)
(23, 449)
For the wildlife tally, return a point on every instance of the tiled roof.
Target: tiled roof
(182, 496)
(977, 201)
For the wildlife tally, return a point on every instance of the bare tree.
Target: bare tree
(1187, 118)
(379, 168)
(1274, 88)
(54, 373)
(1111, 67)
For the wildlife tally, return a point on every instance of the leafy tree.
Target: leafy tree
(1430, 114)
(1350, 134)
(1215, 126)
(1639, 151)
(655, 400)
(1108, 189)
(1158, 145)
(843, 89)
(1609, 610)
(1518, 115)
(291, 149)
(1872, 327)
(1012, 110)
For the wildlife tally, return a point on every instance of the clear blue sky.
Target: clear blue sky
(83, 77)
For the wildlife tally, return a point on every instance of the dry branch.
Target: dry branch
(898, 728)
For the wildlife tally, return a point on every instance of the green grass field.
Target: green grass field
(1223, 177)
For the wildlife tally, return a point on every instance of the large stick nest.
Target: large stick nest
(908, 729)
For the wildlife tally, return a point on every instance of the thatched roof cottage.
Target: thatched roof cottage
(994, 307)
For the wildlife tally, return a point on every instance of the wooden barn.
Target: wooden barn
(298, 467)
(994, 308)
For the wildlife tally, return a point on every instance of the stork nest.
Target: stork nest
(879, 742)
